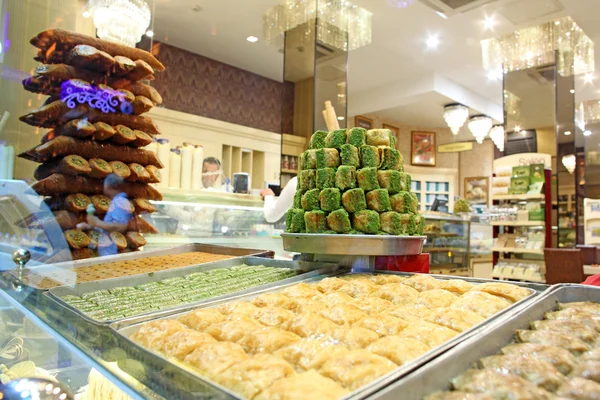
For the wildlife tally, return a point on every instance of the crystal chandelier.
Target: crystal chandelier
(455, 115)
(480, 125)
(537, 46)
(569, 162)
(335, 23)
(120, 21)
(497, 136)
(400, 3)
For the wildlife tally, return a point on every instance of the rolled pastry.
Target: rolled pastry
(119, 240)
(141, 71)
(139, 224)
(101, 203)
(135, 240)
(123, 135)
(141, 139)
(138, 173)
(78, 128)
(143, 206)
(77, 239)
(120, 169)
(88, 57)
(99, 168)
(122, 66)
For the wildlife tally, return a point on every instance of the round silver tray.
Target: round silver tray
(353, 245)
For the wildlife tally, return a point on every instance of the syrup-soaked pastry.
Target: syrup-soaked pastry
(67, 220)
(354, 337)
(103, 131)
(154, 173)
(141, 72)
(82, 254)
(77, 202)
(581, 329)
(432, 335)
(356, 368)
(232, 330)
(135, 240)
(436, 298)
(498, 385)
(541, 373)
(335, 298)
(382, 279)
(154, 333)
(123, 135)
(457, 395)
(311, 353)
(118, 239)
(99, 239)
(382, 324)
(201, 318)
(588, 369)
(482, 303)
(73, 165)
(593, 354)
(422, 282)
(101, 203)
(139, 224)
(53, 114)
(143, 206)
(399, 349)
(99, 168)
(309, 325)
(399, 294)
(373, 305)
(302, 305)
(580, 389)
(64, 145)
(214, 358)
(359, 288)
(138, 173)
(512, 293)
(272, 315)
(458, 320)
(272, 299)
(138, 88)
(185, 341)
(141, 105)
(121, 169)
(88, 57)
(410, 312)
(253, 375)
(343, 314)
(122, 66)
(238, 307)
(77, 239)
(141, 139)
(300, 290)
(572, 313)
(65, 41)
(267, 340)
(554, 338)
(456, 286)
(588, 306)
(330, 284)
(78, 128)
(297, 386)
(561, 358)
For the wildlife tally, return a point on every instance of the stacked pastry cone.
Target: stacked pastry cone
(94, 114)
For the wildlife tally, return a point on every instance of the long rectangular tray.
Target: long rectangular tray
(436, 375)
(311, 270)
(353, 245)
(65, 268)
(127, 327)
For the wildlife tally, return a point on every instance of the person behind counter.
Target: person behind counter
(211, 172)
(118, 215)
(275, 209)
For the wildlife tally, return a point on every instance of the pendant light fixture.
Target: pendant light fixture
(480, 125)
(455, 115)
(569, 161)
(497, 136)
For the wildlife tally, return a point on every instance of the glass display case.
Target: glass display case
(448, 244)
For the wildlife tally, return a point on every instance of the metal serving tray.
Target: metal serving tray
(312, 269)
(67, 267)
(127, 327)
(436, 376)
(353, 245)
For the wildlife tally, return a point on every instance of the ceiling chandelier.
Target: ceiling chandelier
(335, 23)
(400, 3)
(497, 136)
(480, 125)
(455, 115)
(541, 45)
(120, 21)
(569, 162)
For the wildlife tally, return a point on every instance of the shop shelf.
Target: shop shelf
(518, 223)
(517, 250)
(518, 197)
(289, 171)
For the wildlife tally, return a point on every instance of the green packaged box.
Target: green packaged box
(335, 139)
(349, 155)
(391, 223)
(520, 171)
(294, 221)
(537, 215)
(520, 190)
(331, 199)
(536, 173)
(327, 158)
(325, 178)
(307, 180)
(339, 221)
(366, 221)
(356, 137)
(354, 200)
(315, 221)
(367, 179)
(522, 182)
(345, 177)
(311, 200)
(378, 200)
(318, 140)
(390, 180)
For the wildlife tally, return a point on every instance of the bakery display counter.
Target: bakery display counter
(448, 243)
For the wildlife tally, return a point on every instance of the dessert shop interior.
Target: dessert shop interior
(159, 158)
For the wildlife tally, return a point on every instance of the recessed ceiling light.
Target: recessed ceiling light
(340, 118)
(489, 22)
(495, 75)
(588, 78)
(86, 14)
(572, 91)
(567, 133)
(441, 14)
(196, 8)
(252, 39)
(149, 33)
(587, 133)
(517, 128)
(433, 42)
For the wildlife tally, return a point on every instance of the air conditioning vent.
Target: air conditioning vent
(451, 7)
(521, 142)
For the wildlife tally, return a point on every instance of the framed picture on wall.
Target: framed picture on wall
(422, 149)
(363, 122)
(394, 129)
(476, 190)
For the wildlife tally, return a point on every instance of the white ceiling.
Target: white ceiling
(383, 73)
